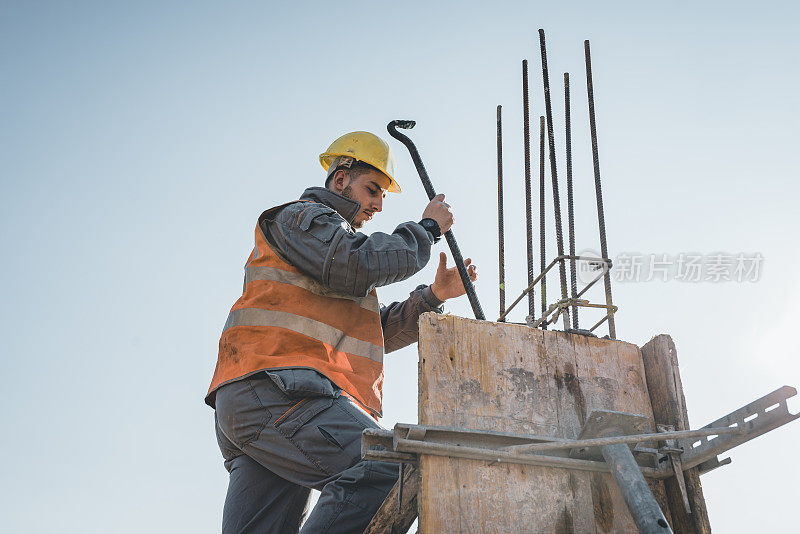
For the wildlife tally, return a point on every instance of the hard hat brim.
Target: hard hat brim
(326, 158)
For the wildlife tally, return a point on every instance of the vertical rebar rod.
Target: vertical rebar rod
(500, 234)
(542, 258)
(526, 141)
(570, 205)
(562, 269)
(612, 331)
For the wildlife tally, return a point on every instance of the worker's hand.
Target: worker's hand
(439, 211)
(447, 284)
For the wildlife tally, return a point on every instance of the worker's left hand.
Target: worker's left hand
(447, 284)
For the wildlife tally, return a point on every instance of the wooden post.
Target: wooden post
(389, 519)
(506, 377)
(669, 408)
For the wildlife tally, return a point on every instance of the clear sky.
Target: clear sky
(140, 141)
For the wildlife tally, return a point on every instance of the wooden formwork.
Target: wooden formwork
(512, 378)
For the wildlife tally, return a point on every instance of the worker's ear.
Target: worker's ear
(340, 180)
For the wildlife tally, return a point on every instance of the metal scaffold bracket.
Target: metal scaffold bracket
(619, 443)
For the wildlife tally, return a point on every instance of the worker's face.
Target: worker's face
(368, 189)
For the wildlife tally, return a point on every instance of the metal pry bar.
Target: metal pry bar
(451, 240)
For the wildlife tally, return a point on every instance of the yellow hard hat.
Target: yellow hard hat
(366, 147)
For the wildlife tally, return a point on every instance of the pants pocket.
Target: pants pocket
(330, 433)
(301, 413)
(303, 382)
(240, 415)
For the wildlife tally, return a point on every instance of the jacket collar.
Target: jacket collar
(346, 207)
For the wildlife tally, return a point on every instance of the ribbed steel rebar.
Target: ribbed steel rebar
(570, 206)
(542, 248)
(526, 141)
(612, 331)
(500, 234)
(562, 270)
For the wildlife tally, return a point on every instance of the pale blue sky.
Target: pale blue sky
(139, 142)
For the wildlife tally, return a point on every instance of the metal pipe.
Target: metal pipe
(612, 330)
(500, 234)
(451, 240)
(497, 455)
(542, 248)
(642, 505)
(570, 207)
(556, 202)
(526, 142)
(617, 440)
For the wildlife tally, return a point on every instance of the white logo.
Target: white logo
(590, 266)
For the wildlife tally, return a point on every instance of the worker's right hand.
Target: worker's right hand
(439, 211)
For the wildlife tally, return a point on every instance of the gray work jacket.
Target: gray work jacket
(319, 240)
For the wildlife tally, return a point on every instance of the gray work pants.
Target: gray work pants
(282, 434)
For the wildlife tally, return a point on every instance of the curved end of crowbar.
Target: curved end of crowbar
(402, 124)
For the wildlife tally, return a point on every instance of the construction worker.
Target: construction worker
(300, 367)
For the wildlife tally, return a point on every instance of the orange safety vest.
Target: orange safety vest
(286, 319)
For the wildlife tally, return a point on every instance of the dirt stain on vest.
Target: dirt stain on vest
(601, 503)
(230, 352)
(574, 387)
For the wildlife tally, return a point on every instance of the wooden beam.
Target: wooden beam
(388, 519)
(512, 378)
(664, 385)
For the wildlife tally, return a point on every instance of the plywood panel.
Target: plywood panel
(503, 377)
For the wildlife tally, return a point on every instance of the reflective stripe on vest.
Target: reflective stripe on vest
(370, 302)
(308, 327)
(285, 318)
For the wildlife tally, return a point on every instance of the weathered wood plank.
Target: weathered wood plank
(388, 520)
(660, 360)
(503, 377)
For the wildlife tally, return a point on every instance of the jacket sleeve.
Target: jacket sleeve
(318, 241)
(400, 319)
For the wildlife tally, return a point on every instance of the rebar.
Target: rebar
(541, 276)
(526, 141)
(570, 207)
(598, 189)
(551, 145)
(500, 235)
(542, 258)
